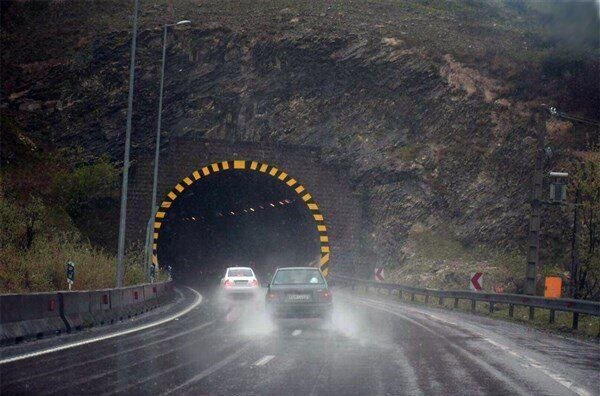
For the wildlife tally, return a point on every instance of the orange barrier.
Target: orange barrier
(553, 287)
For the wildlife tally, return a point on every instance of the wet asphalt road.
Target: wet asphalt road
(373, 347)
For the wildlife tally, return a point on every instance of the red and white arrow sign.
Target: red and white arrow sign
(379, 277)
(476, 281)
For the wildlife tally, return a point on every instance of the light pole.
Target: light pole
(153, 207)
(123, 214)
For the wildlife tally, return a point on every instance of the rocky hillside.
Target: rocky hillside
(434, 104)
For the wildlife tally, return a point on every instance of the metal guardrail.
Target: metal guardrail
(577, 307)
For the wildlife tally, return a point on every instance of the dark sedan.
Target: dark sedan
(299, 292)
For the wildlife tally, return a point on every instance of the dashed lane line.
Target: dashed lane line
(264, 360)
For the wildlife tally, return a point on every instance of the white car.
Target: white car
(240, 282)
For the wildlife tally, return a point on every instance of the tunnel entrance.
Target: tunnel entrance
(224, 215)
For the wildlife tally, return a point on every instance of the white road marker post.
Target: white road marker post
(70, 273)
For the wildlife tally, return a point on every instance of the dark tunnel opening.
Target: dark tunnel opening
(236, 218)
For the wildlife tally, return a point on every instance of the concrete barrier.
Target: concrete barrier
(100, 308)
(151, 296)
(133, 300)
(117, 305)
(76, 309)
(24, 316)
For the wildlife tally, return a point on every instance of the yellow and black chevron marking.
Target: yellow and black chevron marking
(251, 166)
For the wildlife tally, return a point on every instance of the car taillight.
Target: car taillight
(271, 296)
(228, 283)
(325, 295)
(253, 283)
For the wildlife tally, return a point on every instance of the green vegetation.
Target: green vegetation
(587, 181)
(54, 209)
(437, 260)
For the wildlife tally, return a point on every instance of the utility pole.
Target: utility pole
(533, 251)
(123, 214)
(575, 246)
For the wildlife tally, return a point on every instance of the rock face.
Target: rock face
(428, 139)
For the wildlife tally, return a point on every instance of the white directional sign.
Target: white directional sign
(379, 276)
(476, 282)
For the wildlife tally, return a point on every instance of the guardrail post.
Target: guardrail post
(551, 316)
(491, 307)
(511, 310)
(456, 303)
(412, 297)
(473, 306)
(531, 313)
(575, 320)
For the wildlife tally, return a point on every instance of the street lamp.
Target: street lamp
(123, 214)
(154, 208)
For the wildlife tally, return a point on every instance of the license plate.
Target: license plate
(298, 297)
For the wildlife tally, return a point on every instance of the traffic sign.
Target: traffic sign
(152, 272)
(70, 273)
(476, 282)
(379, 275)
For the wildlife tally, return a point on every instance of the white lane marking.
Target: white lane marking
(196, 302)
(264, 360)
(205, 373)
(533, 363)
(517, 389)
(296, 332)
(122, 352)
(529, 361)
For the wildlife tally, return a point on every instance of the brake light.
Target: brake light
(253, 283)
(271, 296)
(326, 295)
(228, 283)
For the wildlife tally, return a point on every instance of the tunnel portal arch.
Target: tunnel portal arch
(253, 166)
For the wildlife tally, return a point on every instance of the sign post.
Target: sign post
(152, 272)
(476, 282)
(70, 273)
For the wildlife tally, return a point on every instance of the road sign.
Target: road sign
(152, 272)
(379, 276)
(476, 282)
(70, 273)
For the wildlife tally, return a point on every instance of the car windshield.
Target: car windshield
(298, 276)
(236, 272)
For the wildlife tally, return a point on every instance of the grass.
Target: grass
(589, 326)
(42, 267)
(440, 261)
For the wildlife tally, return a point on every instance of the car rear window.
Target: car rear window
(298, 276)
(240, 272)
